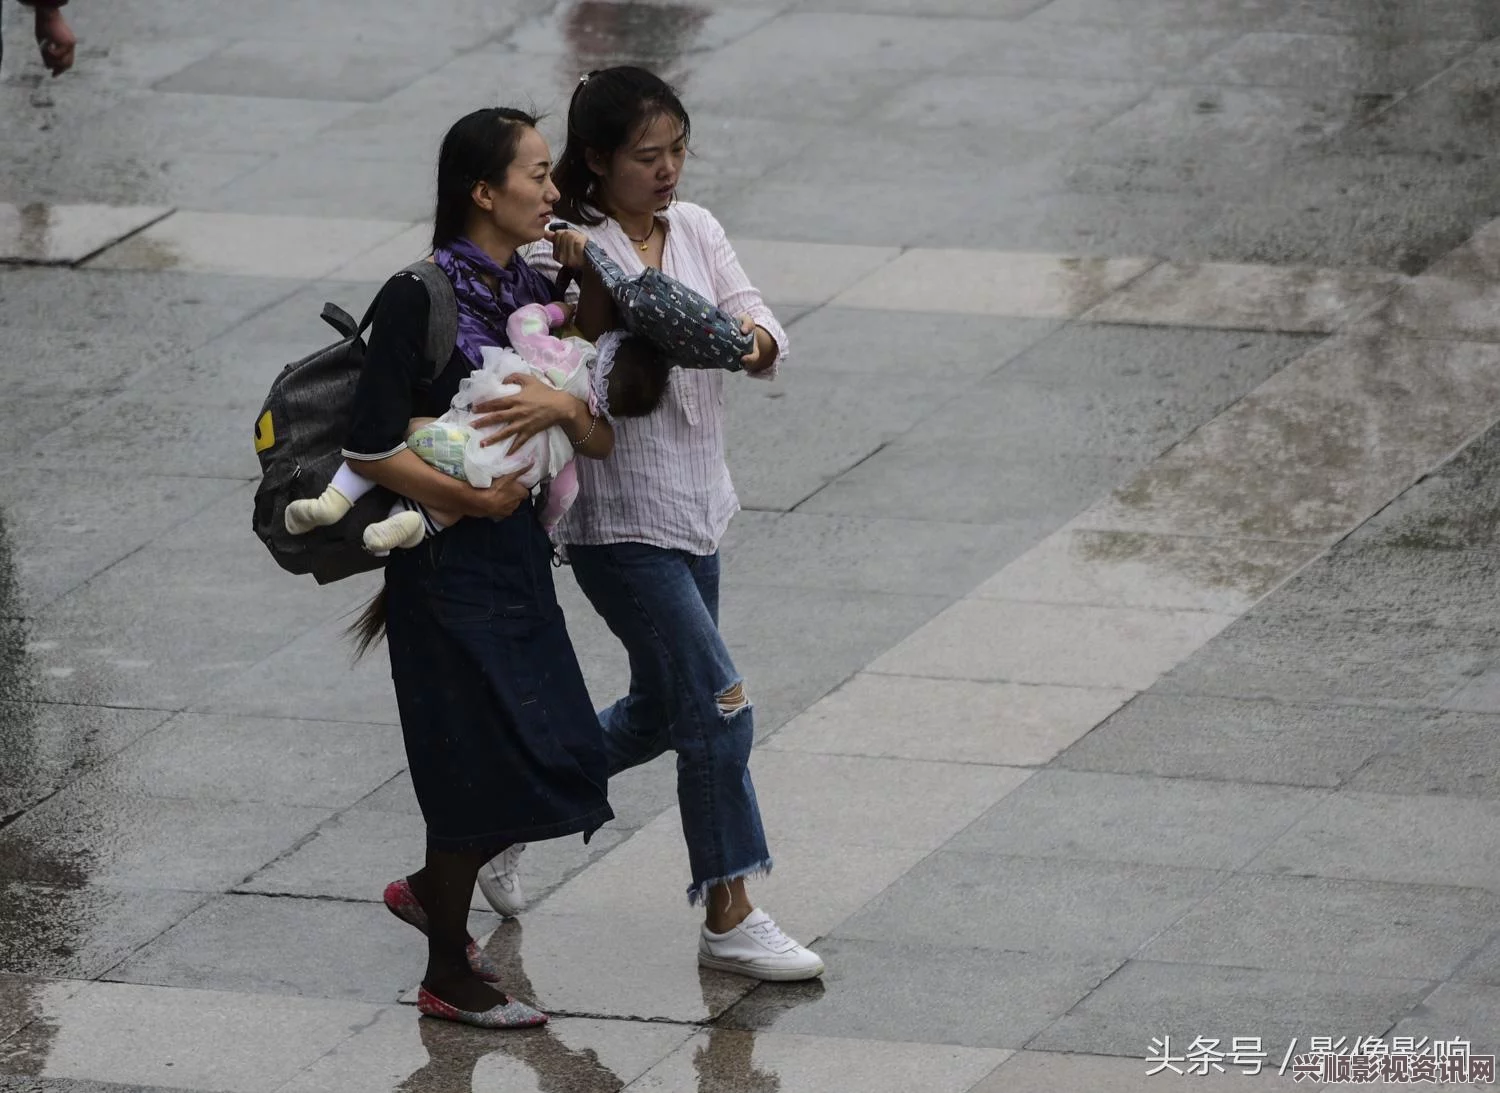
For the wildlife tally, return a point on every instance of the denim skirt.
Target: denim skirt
(503, 742)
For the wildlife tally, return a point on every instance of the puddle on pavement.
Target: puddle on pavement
(590, 1054)
(599, 34)
(21, 1001)
(26, 232)
(557, 1059)
(17, 714)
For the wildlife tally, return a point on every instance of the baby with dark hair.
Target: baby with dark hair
(636, 379)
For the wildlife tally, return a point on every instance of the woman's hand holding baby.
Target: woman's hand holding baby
(532, 410)
(497, 500)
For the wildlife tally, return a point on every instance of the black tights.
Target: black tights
(444, 887)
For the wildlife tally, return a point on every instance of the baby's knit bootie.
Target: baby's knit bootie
(317, 512)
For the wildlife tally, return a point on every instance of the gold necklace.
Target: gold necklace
(641, 244)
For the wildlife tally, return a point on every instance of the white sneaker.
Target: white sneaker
(758, 948)
(500, 882)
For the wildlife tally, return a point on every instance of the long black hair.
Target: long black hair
(609, 108)
(480, 147)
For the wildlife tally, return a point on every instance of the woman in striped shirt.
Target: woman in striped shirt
(643, 536)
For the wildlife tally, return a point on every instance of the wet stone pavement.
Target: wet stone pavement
(1116, 588)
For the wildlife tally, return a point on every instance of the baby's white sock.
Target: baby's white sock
(401, 530)
(317, 512)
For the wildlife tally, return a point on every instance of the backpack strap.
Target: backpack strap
(442, 313)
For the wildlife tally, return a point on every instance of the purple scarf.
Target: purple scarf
(482, 312)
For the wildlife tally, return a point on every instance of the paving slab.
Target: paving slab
(64, 234)
(1163, 13)
(1010, 724)
(385, 21)
(1439, 18)
(1213, 365)
(877, 343)
(911, 557)
(944, 798)
(69, 525)
(212, 757)
(1174, 822)
(1304, 301)
(217, 123)
(1217, 140)
(1129, 569)
(1312, 656)
(942, 994)
(315, 181)
(1012, 103)
(796, 435)
(1454, 753)
(1454, 508)
(297, 248)
(315, 677)
(88, 834)
(1342, 927)
(301, 70)
(1483, 966)
(1481, 695)
(1262, 469)
(66, 932)
(1281, 59)
(794, 645)
(1418, 587)
(1339, 839)
(1241, 740)
(982, 488)
(1004, 414)
(1121, 647)
(228, 615)
(1427, 121)
(807, 273)
(44, 745)
(1457, 1011)
(1145, 1000)
(155, 1035)
(878, 55)
(960, 900)
(185, 310)
(1041, 286)
(302, 948)
(25, 998)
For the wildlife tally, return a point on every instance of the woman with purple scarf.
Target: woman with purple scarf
(501, 738)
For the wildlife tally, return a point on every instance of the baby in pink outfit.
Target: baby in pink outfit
(448, 443)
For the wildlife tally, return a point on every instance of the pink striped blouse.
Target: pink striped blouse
(667, 484)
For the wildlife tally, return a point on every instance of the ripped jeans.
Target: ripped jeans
(685, 695)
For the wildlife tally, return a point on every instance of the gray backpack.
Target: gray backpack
(300, 434)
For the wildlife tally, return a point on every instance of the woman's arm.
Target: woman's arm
(736, 295)
(407, 474)
(382, 412)
(596, 308)
(536, 408)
